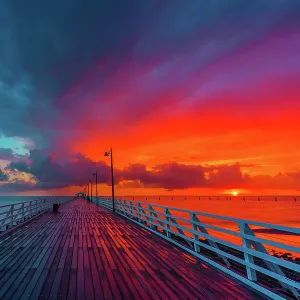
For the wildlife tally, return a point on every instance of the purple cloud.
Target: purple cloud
(169, 176)
(50, 173)
(9, 155)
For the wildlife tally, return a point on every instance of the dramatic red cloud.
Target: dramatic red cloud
(48, 174)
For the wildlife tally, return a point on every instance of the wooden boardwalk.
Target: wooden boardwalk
(86, 252)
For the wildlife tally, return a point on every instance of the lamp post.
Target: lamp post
(86, 191)
(88, 195)
(110, 153)
(91, 182)
(96, 174)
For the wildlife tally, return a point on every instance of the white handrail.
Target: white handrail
(261, 224)
(15, 213)
(249, 262)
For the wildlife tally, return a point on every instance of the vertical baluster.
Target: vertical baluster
(195, 228)
(168, 220)
(23, 212)
(125, 207)
(142, 217)
(150, 216)
(251, 273)
(11, 223)
(121, 207)
(132, 216)
(139, 214)
(29, 211)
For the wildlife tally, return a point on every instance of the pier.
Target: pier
(85, 251)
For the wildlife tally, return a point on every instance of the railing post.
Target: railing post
(130, 206)
(167, 224)
(31, 209)
(142, 220)
(23, 212)
(11, 223)
(150, 216)
(195, 228)
(117, 204)
(36, 207)
(121, 207)
(251, 273)
(125, 207)
(139, 214)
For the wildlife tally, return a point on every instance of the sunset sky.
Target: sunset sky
(195, 97)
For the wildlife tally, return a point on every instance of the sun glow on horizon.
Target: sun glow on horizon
(235, 193)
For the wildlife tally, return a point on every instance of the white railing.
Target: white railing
(16, 213)
(102, 201)
(234, 249)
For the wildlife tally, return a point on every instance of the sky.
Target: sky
(194, 97)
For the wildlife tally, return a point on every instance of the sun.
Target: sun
(235, 193)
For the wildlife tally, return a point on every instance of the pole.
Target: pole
(112, 179)
(96, 185)
(88, 195)
(91, 190)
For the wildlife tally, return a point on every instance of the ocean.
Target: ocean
(284, 210)
(4, 200)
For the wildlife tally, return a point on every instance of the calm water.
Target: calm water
(282, 211)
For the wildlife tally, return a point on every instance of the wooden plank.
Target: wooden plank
(39, 264)
(64, 284)
(94, 277)
(52, 266)
(88, 282)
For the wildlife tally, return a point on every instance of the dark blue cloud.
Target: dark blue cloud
(3, 177)
(47, 46)
(50, 173)
(8, 155)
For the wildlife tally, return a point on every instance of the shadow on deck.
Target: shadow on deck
(86, 252)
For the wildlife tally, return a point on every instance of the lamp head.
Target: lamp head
(106, 154)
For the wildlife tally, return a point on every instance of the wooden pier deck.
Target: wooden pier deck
(87, 252)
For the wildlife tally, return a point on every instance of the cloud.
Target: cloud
(8, 155)
(58, 56)
(226, 176)
(50, 173)
(71, 71)
(3, 176)
(19, 166)
(169, 176)
(17, 186)
(46, 50)
(174, 176)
